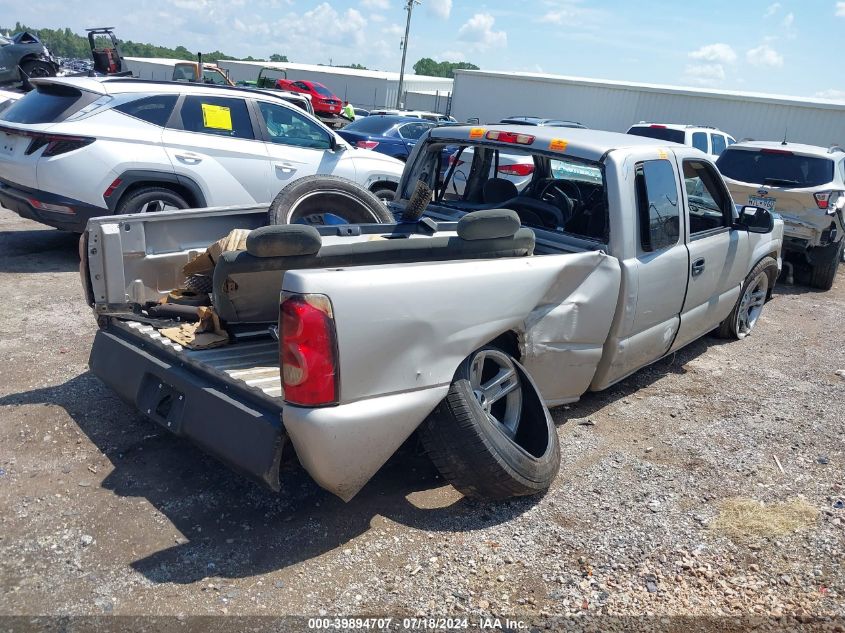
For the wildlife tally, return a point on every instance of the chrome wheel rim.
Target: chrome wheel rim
(751, 304)
(155, 206)
(312, 217)
(497, 389)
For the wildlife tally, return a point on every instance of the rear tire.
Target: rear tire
(755, 291)
(34, 68)
(151, 200)
(823, 273)
(318, 199)
(493, 448)
(385, 195)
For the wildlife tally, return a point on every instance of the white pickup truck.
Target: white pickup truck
(464, 324)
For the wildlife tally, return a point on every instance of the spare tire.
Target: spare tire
(321, 200)
(492, 436)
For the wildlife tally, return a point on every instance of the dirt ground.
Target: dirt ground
(105, 512)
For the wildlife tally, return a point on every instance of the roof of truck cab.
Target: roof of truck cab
(580, 143)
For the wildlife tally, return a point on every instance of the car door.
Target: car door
(410, 133)
(718, 254)
(297, 146)
(8, 63)
(213, 141)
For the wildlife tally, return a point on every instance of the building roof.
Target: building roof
(336, 70)
(813, 102)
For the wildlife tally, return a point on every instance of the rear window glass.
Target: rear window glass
(47, 104)
(370, 125)
(660, 133)
(775, 168)
(413, 131)
(217, 115)
(320, 89)
(155, 110)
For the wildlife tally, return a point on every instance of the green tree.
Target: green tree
(431, 68)
(275, 57)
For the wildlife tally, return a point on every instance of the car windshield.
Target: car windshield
(775, 167)
(660, 133)
(320, 89)
(48, 103)
(548, 191)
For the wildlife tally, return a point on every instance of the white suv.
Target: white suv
(708, 139)
(76, 148)
(805, 184)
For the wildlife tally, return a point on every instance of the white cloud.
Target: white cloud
(764, 55)
(721, 53)
(831, 93)
(440, 8)
(393, 29)
(478, 31)
(377, 17)
(704, 74)
(376, 4)
(772, 9)
(840, 9)
(451, 56)
(788, 20)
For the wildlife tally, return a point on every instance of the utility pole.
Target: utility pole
(409, 7)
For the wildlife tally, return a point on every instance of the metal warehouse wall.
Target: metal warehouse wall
(613, 106)
(366, 89)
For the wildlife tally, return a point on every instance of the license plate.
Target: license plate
(764, 203)
(7, 143)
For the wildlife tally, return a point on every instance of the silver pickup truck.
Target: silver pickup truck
(562, 262)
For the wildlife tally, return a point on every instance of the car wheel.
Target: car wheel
(385, 195)
(825, 266)
(492, 436)
(36, 68)
(151, 200)
(321, 200)
(752, 298)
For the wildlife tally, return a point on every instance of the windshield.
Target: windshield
(548, 191)
(320, 89)
(660, 133)
(775, 167)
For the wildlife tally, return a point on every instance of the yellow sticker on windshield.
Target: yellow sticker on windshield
(476, 132)
(558, 144)
(662, 154)
(216, 117)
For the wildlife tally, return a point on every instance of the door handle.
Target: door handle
(698, 267)
(189, 158)
(286, 167)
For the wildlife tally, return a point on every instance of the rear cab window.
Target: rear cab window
(659, 132)
(48, 103)
(717, 141)
(221, 116)
(775, 167)
(155, 110)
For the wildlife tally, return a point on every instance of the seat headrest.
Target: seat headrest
(488, 224)
(497, 190)
(283, 240)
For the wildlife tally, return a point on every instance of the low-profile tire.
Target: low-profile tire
(493, 447)
(316, 199)
(755, 291)
(151, 200)
(384, 194)
(35, 68)
(823, 272)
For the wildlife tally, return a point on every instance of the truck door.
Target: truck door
(212, 141)
(297, 146)
(718, 254)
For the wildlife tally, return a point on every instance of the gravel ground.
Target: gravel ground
(104, 512)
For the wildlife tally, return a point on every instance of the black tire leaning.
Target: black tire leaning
(729, 327)
(823, 272)
(34, 68)
(384, 194)
(136, 201)
(479, 459)
(311, 196)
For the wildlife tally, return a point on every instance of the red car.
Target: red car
(323, 100)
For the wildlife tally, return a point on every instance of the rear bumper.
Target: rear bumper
(247, 436)
(25, 202)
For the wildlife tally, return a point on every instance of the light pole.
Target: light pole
(409, 7)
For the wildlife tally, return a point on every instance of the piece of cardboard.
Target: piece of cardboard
(204, 334)
(204, 263)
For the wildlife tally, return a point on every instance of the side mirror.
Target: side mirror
(334, 145)
(755, 220)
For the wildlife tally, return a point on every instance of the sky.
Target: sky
(789, 47)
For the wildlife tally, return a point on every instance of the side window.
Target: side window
(214, 77)
(731, 141)
(184, 72)
(699, 141)
(216, 115)
(289, 127)
(413, 131)
(718, 142)
(710, 205)
(301, 86)
(657, 203)
(155, 110)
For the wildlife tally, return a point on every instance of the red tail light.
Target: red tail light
(55, 143)
(659, 127)
(453, 160)
(308, 351)
(823, 199)
(510, 137)
(519, 169)
(367, 144)
(782, 152)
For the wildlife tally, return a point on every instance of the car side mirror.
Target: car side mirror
(755, 220)
(334, 145)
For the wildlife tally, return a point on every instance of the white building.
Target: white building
(362, 88)
(616, 105)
